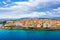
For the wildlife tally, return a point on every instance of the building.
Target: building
(46, 25)
(34, 23)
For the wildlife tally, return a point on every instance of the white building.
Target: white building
(46, 25)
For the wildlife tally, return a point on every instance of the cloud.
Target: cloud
(55, 11)
(47, 14)
(33, 3)
(32, 8)
(30, 15)
(4, 3)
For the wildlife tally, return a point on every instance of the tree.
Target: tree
(4, 22)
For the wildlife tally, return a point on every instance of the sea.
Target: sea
(29, 34)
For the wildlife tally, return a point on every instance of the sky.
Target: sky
(29, 8)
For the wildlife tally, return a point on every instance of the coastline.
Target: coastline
(34, 29)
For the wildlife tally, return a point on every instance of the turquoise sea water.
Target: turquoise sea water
(29, 35)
